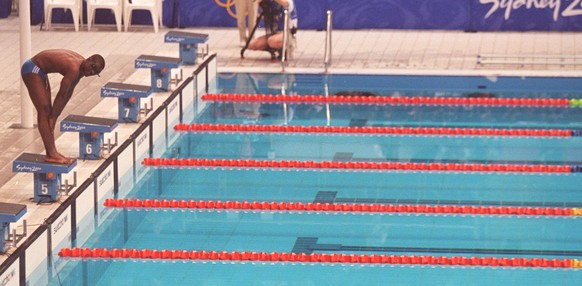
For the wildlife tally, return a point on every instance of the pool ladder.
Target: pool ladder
(286, 44)
(286, 33)
(327, 56)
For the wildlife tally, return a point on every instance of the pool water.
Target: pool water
(359, 233)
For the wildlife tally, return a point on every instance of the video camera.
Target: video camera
(271, 7)
(272, 12)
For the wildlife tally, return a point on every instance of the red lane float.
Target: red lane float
(440, 131)
(344, 258)
(338, 207)
(353, 165)
(393, 100)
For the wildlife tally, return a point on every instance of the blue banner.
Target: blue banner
(400, 14)
(468, 15)
(527, 15)
(5, 8)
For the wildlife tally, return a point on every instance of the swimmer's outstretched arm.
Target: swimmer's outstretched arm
(68, 84)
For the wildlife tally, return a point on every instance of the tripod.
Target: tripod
(268, 30)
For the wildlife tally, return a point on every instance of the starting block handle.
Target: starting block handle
(188, 43)
(91, 133)
(47, 176)
(129, 96)
(160, 69)
(9, 213)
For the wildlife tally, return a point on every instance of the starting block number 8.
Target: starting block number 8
(159, 83)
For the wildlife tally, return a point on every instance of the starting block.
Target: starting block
(160, 69)
(9, 213)
(129, 97)
(47, 176)
(91, 133)
(188, 44)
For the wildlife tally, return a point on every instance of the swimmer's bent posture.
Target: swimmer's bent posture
(72, 67)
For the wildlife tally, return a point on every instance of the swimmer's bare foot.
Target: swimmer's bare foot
(59, 159)
(61, 155)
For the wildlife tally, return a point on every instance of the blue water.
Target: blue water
(355, 233)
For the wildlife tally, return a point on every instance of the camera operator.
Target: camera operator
(274, 18)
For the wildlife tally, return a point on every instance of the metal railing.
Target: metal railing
(285, 40)
(327, 56)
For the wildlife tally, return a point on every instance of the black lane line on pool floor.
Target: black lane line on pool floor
(308, 245)
(509, 162)
(331, 197)
(349, 156)
(358, 122)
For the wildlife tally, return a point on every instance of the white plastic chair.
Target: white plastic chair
(161, 12)
(153, 6)
(73, 5)
(114, 5)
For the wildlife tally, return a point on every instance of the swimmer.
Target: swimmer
(354, 93)
(481, 95)
(72, 67)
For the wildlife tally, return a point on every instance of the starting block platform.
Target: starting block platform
(47, 176)
(188, 44)
(91, 133)
(129, 97)
(160, 69)
(9, 213)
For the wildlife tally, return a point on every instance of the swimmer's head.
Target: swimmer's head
(93, 65)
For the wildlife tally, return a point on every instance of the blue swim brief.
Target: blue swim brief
(30, 67)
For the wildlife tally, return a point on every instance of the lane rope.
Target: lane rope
(341, 207)
(317, 258)
(395, 100)
(357, 165)
(380, 130)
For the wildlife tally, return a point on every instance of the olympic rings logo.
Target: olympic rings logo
(227, 5)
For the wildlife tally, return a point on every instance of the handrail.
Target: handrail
(327, 56)
(285, 40)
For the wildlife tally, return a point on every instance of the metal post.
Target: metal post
(327, 108)
(285, 40)
(283, 89)
(327, 56)
(25, 54)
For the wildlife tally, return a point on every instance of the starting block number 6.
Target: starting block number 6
(89, 148)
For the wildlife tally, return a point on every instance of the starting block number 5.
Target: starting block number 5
(44, 189)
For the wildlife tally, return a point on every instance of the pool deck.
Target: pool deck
(354, 51)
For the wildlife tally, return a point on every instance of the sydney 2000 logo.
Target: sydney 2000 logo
(574, 8)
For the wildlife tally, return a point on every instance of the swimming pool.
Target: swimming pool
(447, 207)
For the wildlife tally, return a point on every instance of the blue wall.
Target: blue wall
(469, 15)
(5, 8)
